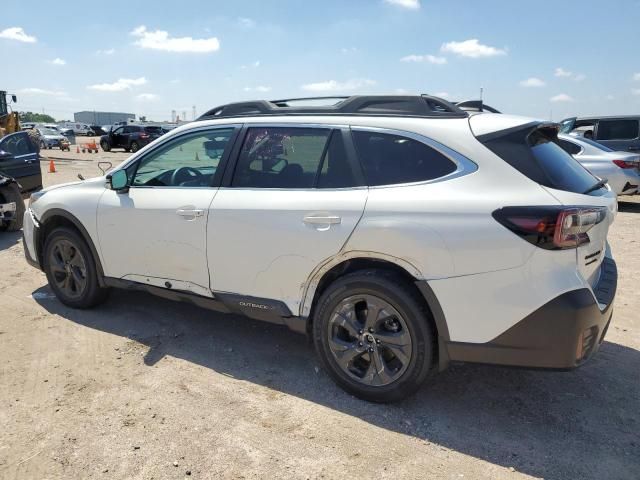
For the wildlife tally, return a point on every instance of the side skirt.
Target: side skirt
(264, 309)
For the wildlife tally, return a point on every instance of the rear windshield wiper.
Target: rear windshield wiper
(598, 185)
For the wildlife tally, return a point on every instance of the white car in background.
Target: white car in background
(620, 169)
(399, 232)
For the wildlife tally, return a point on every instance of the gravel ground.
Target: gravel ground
(145, 388)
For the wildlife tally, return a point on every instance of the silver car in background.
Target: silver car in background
(621, 169)
(50, 138)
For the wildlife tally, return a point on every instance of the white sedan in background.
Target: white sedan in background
(621, 169)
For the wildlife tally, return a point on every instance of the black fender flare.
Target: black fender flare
(58, 212)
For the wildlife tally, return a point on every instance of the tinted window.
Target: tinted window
(536, 155)
(189, 161)
(153, 130)
(569, 147)
(562, 170)
(617, 129)
(390, 159)
(131, 129)
(17, 144)
(277, 157)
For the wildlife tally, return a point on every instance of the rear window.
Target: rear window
(153, 130)
(392, 159)
(535, 152)
(618, 129)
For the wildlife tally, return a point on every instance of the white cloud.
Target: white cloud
(580, 77)
(119, 85)
(561, 97)
(57, 61)
(175, 81)
(424, 58)
(609, 97)
(409, 4)
(532, 82)
(42, 92)
(635, 91)
(18, 34)
(347, 50)
(334, 86)
(246, 22)
(259, 88)
(472, 48)
(255, 64)
(561, 72)
(108, 51)
(636, 77)
(160, 40)
(147, 97)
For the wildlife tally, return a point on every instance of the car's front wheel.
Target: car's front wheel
(374, 336)
(104, 145)
(71, 269)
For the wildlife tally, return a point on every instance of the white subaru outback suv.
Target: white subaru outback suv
(399, 232)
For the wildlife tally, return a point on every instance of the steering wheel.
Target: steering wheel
(184, 174)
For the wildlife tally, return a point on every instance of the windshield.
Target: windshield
(47, 131)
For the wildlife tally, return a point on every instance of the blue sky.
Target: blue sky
(538, 59)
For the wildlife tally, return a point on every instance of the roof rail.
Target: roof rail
(362, 105)
(476, 106)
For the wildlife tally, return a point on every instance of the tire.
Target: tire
(403, 326)
(11, 193)
(135, 147)
(105, 146)
(67, 261)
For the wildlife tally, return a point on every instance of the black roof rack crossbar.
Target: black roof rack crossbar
(362, 105)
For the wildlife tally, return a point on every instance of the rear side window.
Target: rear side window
(618, 129)
(296, 157)
(389, 159)
(536, 153)
(569, 147)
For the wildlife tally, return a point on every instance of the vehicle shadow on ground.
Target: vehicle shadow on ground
(9, 239)
(629, 207)
(556, 425)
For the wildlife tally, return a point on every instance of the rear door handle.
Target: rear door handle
(185, 212)
(322, 219)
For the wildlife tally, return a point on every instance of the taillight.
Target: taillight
(144, 135)
(551, 228)
(625, 164)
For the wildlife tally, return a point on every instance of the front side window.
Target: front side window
(292, 157)
(617, 129)
(17, 144)
(189, 161)
(390, 159)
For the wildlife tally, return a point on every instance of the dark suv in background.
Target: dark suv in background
(130, 137)
(620, 133)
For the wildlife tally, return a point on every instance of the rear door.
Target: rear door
(622, 134)
(291, 202)
(19, 159)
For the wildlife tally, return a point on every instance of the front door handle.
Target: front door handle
(190, 213)
(322, 219)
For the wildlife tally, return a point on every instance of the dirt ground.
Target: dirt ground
(143, 388)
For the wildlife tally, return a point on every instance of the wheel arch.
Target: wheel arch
(57, 217)
(322, 277)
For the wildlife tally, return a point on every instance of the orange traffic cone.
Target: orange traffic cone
(77, 149)
(52, 167)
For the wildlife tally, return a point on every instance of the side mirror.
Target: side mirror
(118, 181)
(5, 155)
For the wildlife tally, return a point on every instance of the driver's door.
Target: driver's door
(116, 137)
(155, 233)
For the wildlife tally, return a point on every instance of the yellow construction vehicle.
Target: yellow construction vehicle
(9, 121)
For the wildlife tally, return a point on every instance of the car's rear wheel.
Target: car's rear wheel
(135, 147)
(71, 269)
(8, 194)
(374, 336)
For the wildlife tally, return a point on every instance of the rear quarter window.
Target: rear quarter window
(389, 159)
(618, 129)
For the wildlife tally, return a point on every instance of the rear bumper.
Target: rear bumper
(562, 334)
